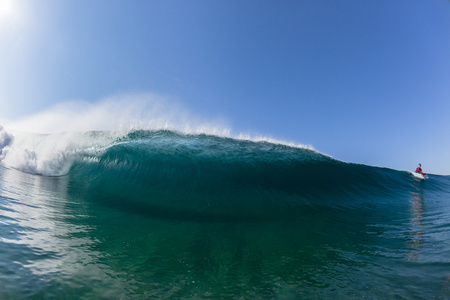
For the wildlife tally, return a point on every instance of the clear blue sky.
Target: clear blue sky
(363, 81)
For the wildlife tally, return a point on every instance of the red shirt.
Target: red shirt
(419, 170)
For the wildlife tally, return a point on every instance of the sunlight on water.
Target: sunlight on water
(47, 242)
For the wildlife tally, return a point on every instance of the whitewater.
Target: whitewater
(182, 213)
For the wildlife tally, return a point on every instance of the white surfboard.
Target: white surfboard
(419, 175)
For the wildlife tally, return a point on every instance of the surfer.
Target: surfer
(419, 170)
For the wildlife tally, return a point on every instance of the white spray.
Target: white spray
(65, 131)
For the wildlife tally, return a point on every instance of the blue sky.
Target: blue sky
(363, 81)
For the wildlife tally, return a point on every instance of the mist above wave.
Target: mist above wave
(119, 113)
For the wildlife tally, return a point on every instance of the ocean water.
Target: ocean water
(160, 214)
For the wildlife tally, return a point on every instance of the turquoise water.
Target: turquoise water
(157, 214)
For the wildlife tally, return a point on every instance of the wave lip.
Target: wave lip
(53, 154)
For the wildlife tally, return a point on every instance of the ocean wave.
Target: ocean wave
(203, 177)
(200, 174)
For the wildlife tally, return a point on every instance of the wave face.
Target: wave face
(165, 214)
(212, 178)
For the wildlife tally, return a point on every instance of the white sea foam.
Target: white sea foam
(261, 138)
(6, 139)
(51, 154)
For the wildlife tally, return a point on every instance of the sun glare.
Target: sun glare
(6, 8)
(9, 13)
